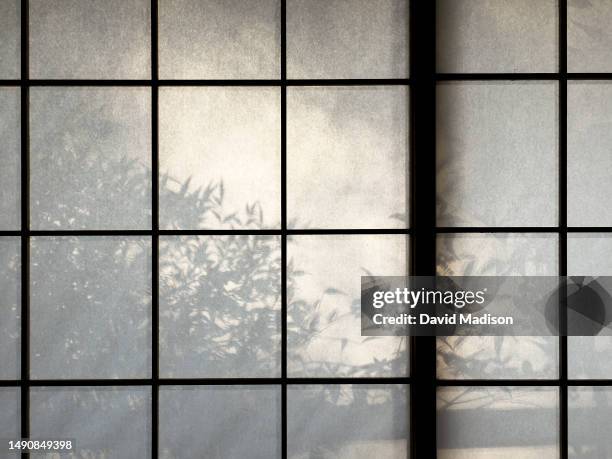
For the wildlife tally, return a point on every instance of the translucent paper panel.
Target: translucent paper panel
(324, 288)
(229, 422)
(90, 158)
(219, 157)
(219, 39)
(90, 39)
(498, 422)
(589, 419)
(104, 422)
(589, 39)
(497, 36)
(10, 403)
(347, 39)
(220, 306)
(10, 39)
(10, 307)
(347, 157)
(497, 154)
(497, 357)
(10, 158)
(344, 421)
(90, 307)
(589, 140)
(589, 255)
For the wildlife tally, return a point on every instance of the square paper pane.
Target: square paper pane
(220, 306)
(104, 422)
(347, 39)
(589, 419)
(219, 157)
(497, 154)
(90, 39)
(589, 255)
(90, 307)
(344, 421)
(219, 39)
(497, 357)
(324, 316)
(497, 36)
(10, 39)
(589, 163)
(498, 422)
(10, 159)
(10, 419)
(229, 422)
(90, 158)
(347, 157)
(589, 38)
(10, 307)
